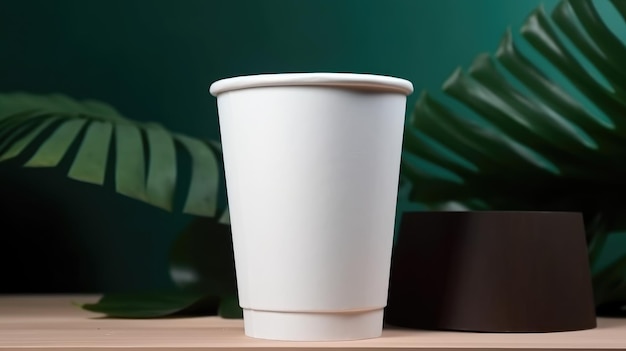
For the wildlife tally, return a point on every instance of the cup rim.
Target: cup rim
(345, 80)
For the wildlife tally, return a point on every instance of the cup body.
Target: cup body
(312, 166)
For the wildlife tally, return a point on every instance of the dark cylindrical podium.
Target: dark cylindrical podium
(491, 272)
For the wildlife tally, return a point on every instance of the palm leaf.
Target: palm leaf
(144, 156)
(154, 305)
(533, 141)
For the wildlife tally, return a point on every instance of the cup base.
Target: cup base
(313, 326)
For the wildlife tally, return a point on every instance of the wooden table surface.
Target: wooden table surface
(44, 322)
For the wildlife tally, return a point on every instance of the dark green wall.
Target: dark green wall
(154, 59)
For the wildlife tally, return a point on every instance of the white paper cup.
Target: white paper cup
(312, 165)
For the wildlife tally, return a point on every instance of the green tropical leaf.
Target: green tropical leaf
(229, 308)
(522, 137)
(91, 159)
(13, 130)
(205, 168)
(202, 268)
(201, 259)
(18, 142)
(144, 155)
(620, 6)
(164, 304)
(609, 285)
(153, 305)
(162, 170)
(598, 230)
(54, 148)
(130, 170)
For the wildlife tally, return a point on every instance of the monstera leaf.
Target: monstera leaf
(530, 139)
(144, 160)
(201, 267)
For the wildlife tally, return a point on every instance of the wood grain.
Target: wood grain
(44, 322)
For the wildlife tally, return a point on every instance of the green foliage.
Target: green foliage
(201, 266)
(165, 304)
(201, 258)
(533, 142)
(229, 308)
(152, 305)
(143, 156)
